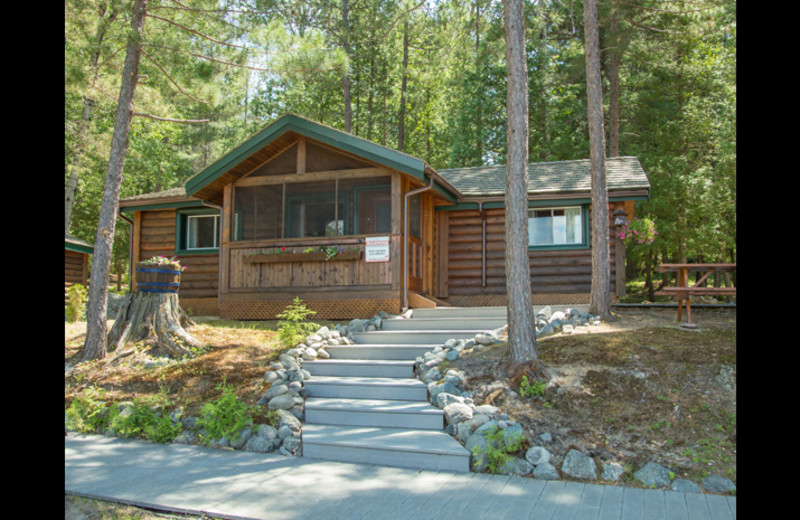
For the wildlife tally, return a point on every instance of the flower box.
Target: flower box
(313, 256)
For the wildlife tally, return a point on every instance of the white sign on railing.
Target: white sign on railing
(376, 249)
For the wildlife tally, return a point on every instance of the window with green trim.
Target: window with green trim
(562, 226)
(197, 230)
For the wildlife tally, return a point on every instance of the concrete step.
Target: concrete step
(444, 323)
(413, 337)
(378, 352)
(360, 367)
(374, 412)
(400, 447)
(461, 312)
(399, 389)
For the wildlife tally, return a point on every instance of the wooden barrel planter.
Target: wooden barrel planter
(155, 278)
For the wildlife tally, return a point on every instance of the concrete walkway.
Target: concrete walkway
(241, 485)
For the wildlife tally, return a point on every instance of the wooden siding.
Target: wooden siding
(155, 236)
(567, 271)
(288, 277)
(75, 268)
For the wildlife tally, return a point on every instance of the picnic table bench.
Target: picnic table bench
(682, 291)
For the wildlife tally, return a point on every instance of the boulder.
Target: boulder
(718, 484)
(259, 444)
(516, 466)
(537, 455)
(545, 471)
(612, 472)
(653, 475)
(456, 413)
(282, 402)
(579, 465)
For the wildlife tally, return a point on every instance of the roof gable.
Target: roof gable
(207, 184)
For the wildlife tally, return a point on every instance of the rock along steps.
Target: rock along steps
(365, 405)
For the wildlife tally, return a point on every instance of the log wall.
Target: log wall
(157, 237)
(553, 272)
(75, 268)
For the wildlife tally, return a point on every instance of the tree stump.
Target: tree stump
(155, 318)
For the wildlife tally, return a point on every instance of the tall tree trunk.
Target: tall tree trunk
(95, 345)
(600, 298)
(521, 320)
(401, 127)
(545, 64)
(348, 110)
(613, 85)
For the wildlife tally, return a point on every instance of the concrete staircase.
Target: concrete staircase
(366, 406)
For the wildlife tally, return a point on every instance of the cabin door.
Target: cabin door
(420, 243)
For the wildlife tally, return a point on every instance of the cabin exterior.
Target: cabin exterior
(352, 227)
(76, 261)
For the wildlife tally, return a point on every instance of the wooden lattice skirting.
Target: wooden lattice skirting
(200, 306)
(326, 309)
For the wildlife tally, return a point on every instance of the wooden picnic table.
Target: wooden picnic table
(682, 291)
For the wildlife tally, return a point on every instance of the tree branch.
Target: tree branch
(198, 33)
(171, 120)
(172, 80)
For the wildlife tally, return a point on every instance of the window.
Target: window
(202, 231)
(555, 226)
(197, 230)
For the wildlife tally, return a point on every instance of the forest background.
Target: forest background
(425, 77)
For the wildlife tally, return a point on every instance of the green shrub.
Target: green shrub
(76, 303)
(294, 328)
(531, 389)
(226, 416)
(88, 413)
(499, 449)
(142, 419)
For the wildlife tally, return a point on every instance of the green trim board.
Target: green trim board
(78, 248)
(585, 231)
(498, 204)
(180, 231)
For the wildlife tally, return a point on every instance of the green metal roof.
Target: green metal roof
(77, 245)
(622, 173)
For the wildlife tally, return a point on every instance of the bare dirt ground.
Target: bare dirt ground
(640, 389)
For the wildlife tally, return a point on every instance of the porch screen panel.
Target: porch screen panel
(368, 205)
(257, 212)
(310, 210)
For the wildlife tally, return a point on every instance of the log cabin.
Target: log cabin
(76, 261)
(352, 228)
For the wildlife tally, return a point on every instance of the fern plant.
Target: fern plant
(76, 303)
(226, 416)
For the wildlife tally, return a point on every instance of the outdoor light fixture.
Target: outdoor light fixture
(620, 217)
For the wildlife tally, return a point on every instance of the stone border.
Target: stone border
(472, 424)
